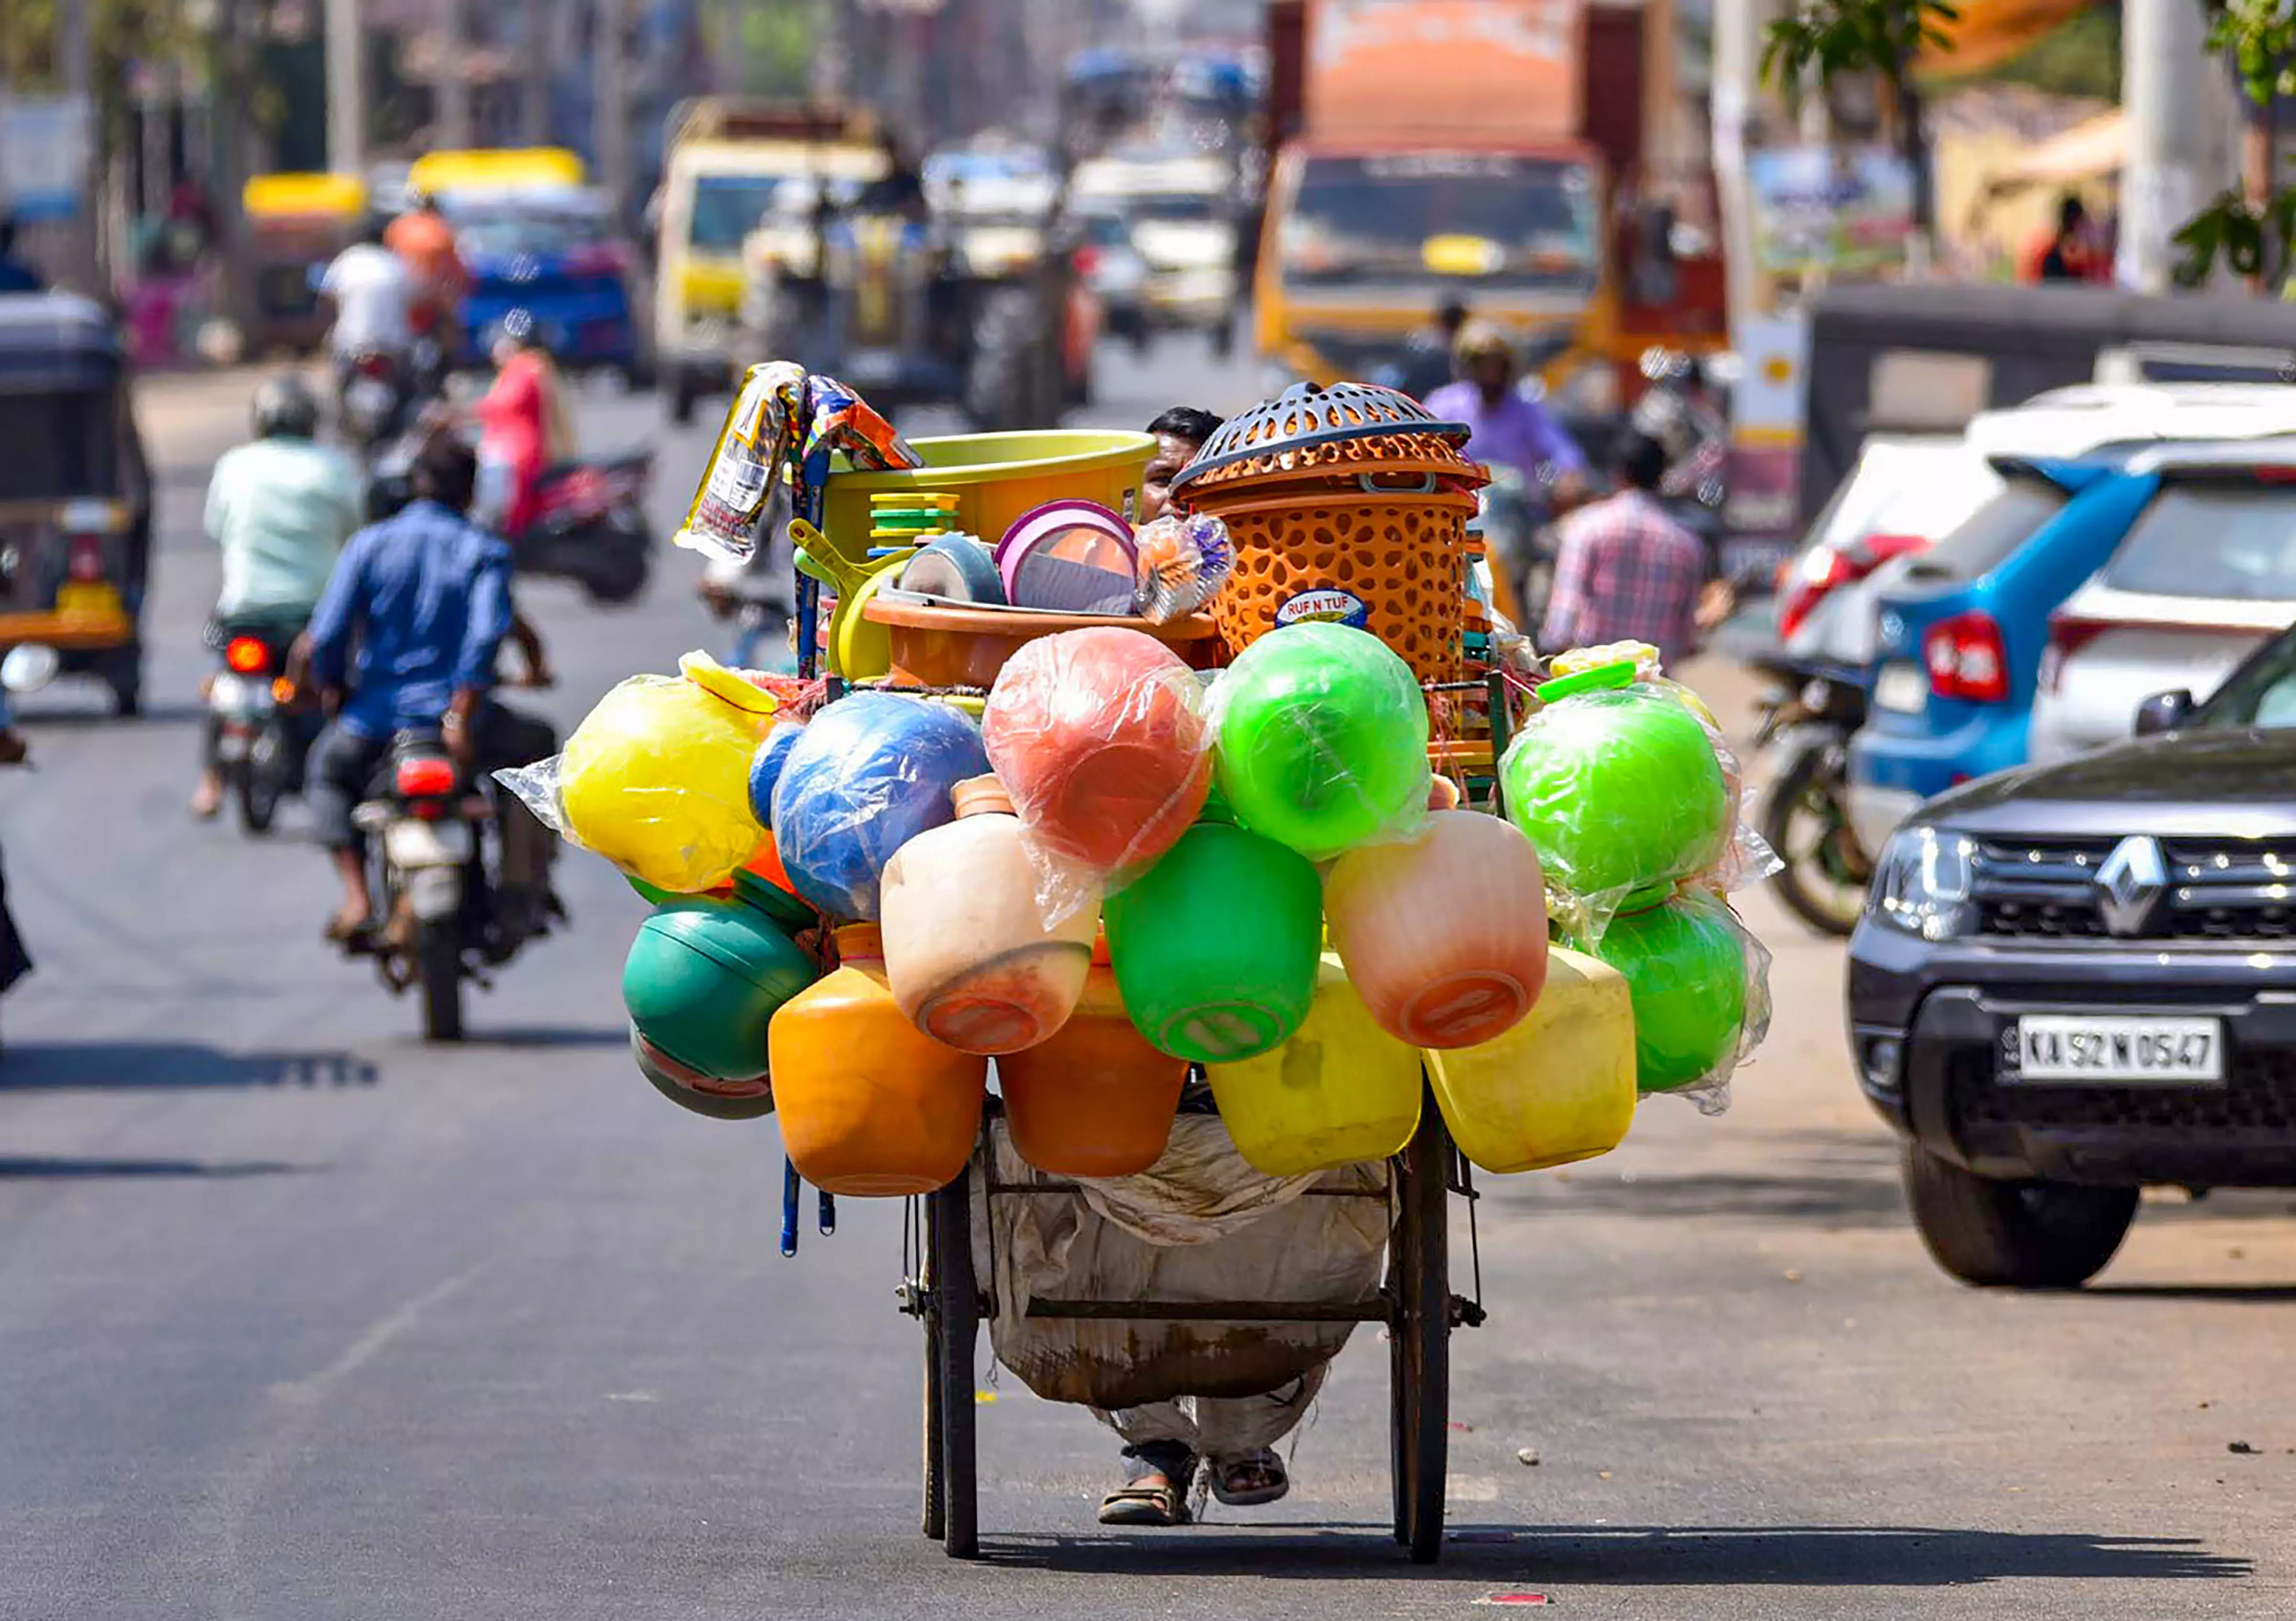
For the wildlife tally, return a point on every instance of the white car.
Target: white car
(2204, 576)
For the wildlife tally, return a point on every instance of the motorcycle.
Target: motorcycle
(263, 732)
(443, 922)
(1808, 715)
(590, 525)
(373, 400)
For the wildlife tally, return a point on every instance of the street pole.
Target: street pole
(734, 47)
(450, 87)
(2164, 67)
(345, 89)
(609, 110)
(537, 39)
(76, 50)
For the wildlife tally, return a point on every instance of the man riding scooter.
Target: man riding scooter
(424, 600)
(424, 242)
(281, 507)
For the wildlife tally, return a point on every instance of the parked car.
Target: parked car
(2204, 576)
(2074, 980)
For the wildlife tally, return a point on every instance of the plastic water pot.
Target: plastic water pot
(1558, 1087)
(705, 975)
(738, 1099)
(1095, 1100)
(656, 779)
(1322, 738)
(870, 1105)
(1339, 1091)
(1215, 947)
(968, 953)
(1443, 934)
(1687, 966)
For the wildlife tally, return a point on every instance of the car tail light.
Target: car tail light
(424, 776)
(1826, 568)
(83, 558)
(1967, 659)
(2068, 635)
(245, 655)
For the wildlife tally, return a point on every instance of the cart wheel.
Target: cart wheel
(956, 1304)
(1419, 1275)
(935, 1486)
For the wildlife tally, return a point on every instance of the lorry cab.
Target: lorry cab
(731, 166)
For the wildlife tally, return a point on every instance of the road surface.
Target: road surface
(299, 1318)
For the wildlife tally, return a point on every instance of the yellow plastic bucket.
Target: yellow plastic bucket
(1340, 1091)
(1558, 1087)
(998, 477)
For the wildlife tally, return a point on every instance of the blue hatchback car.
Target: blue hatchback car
(1960, 637)
(552, 255)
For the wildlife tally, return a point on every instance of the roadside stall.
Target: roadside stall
(1280, 889)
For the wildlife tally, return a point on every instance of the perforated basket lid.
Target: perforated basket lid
(1306, 415)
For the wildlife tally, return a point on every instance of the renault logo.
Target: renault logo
(2129, 885)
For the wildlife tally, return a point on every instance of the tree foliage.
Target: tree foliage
(1827, 37)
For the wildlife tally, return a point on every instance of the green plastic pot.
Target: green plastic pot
(1215, 948)
(1322, 738)
(1684, 966)
(1620, 791)
(705, 976)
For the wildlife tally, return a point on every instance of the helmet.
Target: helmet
(285, 409)
(1481, 341)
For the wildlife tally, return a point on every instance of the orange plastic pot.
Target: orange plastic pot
(1095, 1100)
(870, 1105)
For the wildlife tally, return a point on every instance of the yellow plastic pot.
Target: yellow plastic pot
(996, 477)
(1558, 1087)
(1340, 1091)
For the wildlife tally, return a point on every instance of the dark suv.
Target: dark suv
(2072, 980)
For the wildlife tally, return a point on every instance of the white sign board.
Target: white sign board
(44, 149)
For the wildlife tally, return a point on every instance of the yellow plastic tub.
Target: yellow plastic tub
(1340, 1091)
(996, 477)
(1558, 1087)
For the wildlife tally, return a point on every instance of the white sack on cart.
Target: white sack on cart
(1200, 1224)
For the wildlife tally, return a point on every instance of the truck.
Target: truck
(1489, 151)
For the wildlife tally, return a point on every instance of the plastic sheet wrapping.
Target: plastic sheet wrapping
(1100, 737)
(1201, 1224)
(1322, 739)
(1624, 794)
(1180, 562)
(1699, 982)
(757, 445)
(869, 772)
(656, 777)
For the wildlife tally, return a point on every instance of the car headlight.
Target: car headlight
(1922, 883)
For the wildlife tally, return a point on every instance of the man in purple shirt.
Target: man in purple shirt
(1504, 429)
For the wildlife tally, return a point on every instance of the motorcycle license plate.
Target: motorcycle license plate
(241, 696)
(368, 397)
(412, 843)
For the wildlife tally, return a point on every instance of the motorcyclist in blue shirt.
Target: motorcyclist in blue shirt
(405, 638)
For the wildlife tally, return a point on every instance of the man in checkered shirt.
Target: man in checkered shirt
(1626, 571)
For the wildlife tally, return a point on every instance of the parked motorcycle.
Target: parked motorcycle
(445, 921)
(1808, 715)
(263, 729)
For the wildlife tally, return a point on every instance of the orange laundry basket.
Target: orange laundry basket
(1348, 503)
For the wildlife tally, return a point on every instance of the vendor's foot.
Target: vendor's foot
(1245, 1483)
(206, 798)
(1152, 1500)
(350, 925)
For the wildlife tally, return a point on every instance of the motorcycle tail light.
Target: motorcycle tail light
(424, 776)
(84, 560)
(374, 366)
(245, 655)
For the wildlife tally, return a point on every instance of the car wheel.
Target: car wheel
(2014, 1234)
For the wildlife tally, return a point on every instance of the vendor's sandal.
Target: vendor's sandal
(1142, 1505)
(1247, 1482)
(351, 935)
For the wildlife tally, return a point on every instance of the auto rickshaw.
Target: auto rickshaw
(75, 492)
(296, 223)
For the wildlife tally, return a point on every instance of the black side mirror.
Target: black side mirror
(2164, 712)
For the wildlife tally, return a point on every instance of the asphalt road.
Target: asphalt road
(299, 1318)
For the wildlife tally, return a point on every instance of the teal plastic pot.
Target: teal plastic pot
(1620, 791)
(1322, 738)
(705, 976)
(1685, 965)
(1215, 948)
(743, 1100)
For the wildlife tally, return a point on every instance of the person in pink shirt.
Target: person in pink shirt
(522, 425)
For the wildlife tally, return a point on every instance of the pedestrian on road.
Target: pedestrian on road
(1625, 570)
(424, 599)
(281, 507)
